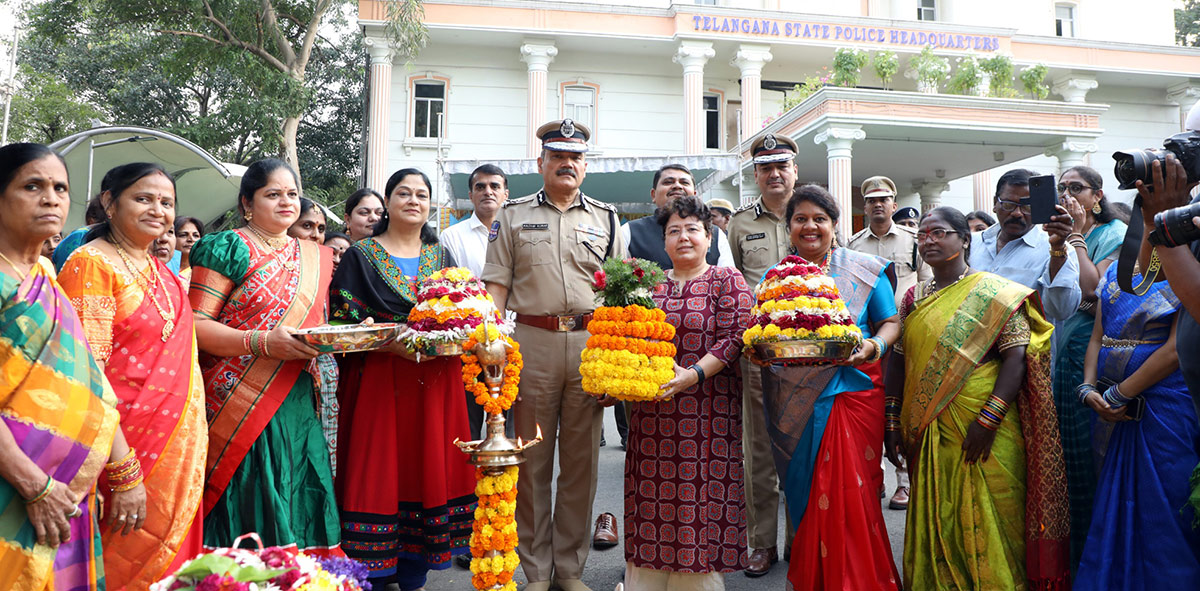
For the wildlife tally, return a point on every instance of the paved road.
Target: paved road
(605, 568)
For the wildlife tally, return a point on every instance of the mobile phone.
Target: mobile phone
(1136, 409)
(1042, 198)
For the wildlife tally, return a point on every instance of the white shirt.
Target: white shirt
(724, 254)
(467, 242)
(1026, 260)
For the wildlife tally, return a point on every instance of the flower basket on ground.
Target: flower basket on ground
(629, 355)
(265, 569)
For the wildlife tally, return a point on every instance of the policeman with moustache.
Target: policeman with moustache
(542, 254)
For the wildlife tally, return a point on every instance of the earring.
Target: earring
(249, 216)
(1096, 209)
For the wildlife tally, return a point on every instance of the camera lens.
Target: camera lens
(1174, 227)
(1134, 165)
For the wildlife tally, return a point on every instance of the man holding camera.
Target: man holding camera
(1018, 250)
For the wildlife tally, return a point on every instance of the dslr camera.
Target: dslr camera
(1172, 227)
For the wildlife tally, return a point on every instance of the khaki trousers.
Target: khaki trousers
(760, 480)
(555, 543)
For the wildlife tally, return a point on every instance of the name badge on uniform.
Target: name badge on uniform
(758, 236)
(535, 226)
(494, 232)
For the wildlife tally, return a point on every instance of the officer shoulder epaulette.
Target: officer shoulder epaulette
(600, 204)
(860, 233)
(518, 200)
(746, 207)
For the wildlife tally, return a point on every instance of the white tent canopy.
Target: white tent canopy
(204, 187)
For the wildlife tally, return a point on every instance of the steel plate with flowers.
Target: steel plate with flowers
(804, 351)
(350, 338)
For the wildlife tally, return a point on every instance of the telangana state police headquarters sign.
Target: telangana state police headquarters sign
(843, 33)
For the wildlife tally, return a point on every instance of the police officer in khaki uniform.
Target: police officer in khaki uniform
(897, 243)
(758, 236)
(542, 253)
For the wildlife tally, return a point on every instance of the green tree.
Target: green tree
(1187, 23)
(47, 109)
(273, 42)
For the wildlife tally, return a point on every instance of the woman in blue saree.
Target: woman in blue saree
(1141, 537)
(826, 421)
(1096, 235)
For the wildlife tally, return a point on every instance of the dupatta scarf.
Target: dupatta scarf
(62, 414)
(958, 326)
(244, 392)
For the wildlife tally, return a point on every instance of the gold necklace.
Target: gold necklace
(930, 286)
(168, 315)
(20, 275)
(275, 245)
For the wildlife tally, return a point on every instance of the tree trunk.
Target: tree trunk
(290, 126)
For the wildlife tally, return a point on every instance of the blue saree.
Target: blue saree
(1141, 536)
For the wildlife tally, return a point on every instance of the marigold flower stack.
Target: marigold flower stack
(796, 301)
(629, 354)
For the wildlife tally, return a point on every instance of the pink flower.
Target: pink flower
(599, 280)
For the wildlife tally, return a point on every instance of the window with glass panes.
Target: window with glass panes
(429, 103)
(1064, 20)
(579, 103)
(926, 10)
(712, 121)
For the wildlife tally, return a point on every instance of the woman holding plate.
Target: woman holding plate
(268, 463)
(138, 321)
(405, 491)
(826, 421)
(969, 404)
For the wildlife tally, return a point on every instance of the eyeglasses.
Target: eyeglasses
(1073, 188)
(936, 233)
(1007, 206)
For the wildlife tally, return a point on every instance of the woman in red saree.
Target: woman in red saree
(58, 420)
(137, 319)
(267, 469)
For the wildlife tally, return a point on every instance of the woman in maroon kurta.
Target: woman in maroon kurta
(685, 513)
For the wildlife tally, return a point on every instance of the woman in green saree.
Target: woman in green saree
(969, 404)
(1096, 237)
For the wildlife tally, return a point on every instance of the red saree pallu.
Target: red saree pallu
(843, 523)
(62, 415)
(155, 376)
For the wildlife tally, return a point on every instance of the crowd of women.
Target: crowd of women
(154, 400)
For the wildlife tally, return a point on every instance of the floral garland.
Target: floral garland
(495, 529)
(629, 354)
(471, 370)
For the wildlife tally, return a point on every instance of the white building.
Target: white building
(659, 81)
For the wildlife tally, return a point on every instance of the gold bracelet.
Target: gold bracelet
(1058, 253)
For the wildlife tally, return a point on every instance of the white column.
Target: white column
(1071, 152)
(983, 192)
(839, 142)
(750, 60)
(537, 55)
(379, 115)
(1074, 88)
(1184, 94)
(931, 192)
(692, 55)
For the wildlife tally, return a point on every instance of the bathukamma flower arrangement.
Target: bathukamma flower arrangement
(796, 301)
(451, 304)
(265, 569)
(629, 354)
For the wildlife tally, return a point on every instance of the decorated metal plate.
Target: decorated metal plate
(350, 338)
(428, 349)
(811, 351)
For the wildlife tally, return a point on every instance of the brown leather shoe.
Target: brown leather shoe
(761, 561)
(899, 500)
(606, 532)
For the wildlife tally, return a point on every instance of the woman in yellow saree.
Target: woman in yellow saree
(977, 422)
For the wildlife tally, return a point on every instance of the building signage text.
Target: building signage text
(845, 33)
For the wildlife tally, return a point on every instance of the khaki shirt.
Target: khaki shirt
(897, 246)
(758, 239)
(547, 258)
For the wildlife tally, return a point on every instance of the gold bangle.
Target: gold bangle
(1058, 253)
